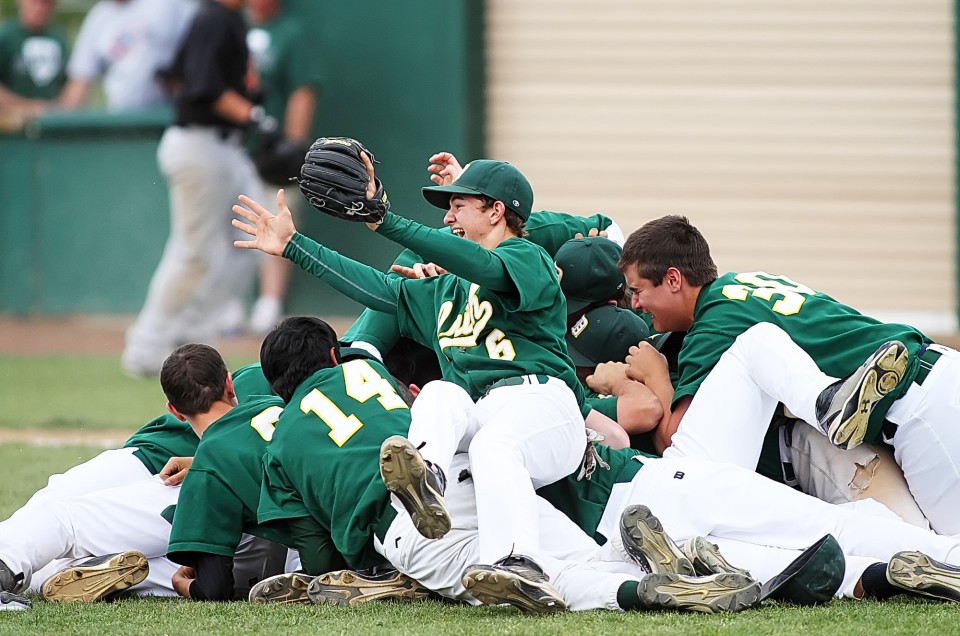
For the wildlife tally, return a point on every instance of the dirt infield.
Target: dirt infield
(97, 335)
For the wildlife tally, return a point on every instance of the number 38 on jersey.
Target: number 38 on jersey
(786, 295)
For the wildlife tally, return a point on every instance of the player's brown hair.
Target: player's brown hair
(296, 349)
(515, 222)
(670, 241)
(193, 377)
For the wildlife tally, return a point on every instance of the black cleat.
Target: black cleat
(515, 580)
(918, 574)
(346, 588)
(844, 407)
(417, 484)
(648, 545)
(708, 594)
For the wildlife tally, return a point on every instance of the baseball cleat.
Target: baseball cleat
(918, 574)
(417, 484)
(515, 580)
(286, 589)
(647, 545)
(97, 578)
(708, 594)
(844, 407)
(346, 588)
(706, 558)
(10, 602)
(10, 582)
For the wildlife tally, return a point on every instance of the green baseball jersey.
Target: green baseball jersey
(160, 439)
(323, 460)
(32, 64)
(606, 404)
(249, 381)
(549, 230)
(480, 336)
(282, 56)
(583, 500)
(837, 337)
(220, 494)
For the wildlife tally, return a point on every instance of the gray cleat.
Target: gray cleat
(844, 407)
(10, 582)
(918, 574)
(346, 588)
(97, 578)
(708, 594)
(10, 602)
(706, 558)
(417, 484)
(285, 589)
(648, 545)
(515, 580)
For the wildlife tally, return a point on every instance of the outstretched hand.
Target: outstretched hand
(419, 270)
(445, 168)
(271, 232)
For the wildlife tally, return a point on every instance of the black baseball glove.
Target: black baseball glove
(278, 159)
(334, 180)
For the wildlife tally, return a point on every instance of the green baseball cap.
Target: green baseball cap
(496, 179)
(604, 334)
(588, 272)
(813, 577)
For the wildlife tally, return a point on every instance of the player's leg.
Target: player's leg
(927, 441)
(102, 522)
(532, 435)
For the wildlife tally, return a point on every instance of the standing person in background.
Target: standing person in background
(206, 166)
(290, 83)
(33, 57)
(126, 43)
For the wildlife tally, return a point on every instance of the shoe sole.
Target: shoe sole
(88, 584)
(648, 545)
(709, 595)
(495, 586)
(918, 574)
(707, 560)
(346, 589)
(283, 589)
(877, 377)
(403, 472)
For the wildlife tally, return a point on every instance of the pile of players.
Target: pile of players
(504, 429)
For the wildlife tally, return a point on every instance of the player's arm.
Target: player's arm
(208, 578)
(298, 117)
(638, 408)
(276, 234)
(647, 365)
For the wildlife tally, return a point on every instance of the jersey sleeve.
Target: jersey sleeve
(605, 405)
(699, 353)
(208, 517)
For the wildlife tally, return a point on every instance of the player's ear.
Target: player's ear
(229, 392)
(334, 356)
(173, 411)
(497, 211)
(674, 279)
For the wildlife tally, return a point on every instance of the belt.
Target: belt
(225, 133)
(517, 381)
(928, 357)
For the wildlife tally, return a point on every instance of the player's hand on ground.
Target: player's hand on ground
(182, 579)
(607, 376)
(593, 232)
(271, 232)
(419, 270)
(645, 361)
(175, 470)
(444, 168)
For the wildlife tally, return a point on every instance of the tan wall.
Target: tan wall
(812, 139)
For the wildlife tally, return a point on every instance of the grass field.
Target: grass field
(63, 393)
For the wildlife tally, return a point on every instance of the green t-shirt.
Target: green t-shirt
(480, 336)
(549, 230)
(583, 500)
(281, 53)
(249, 381)
(162, 438)
(837, 337)
(220, 494)
(323, 460)
(32, 64)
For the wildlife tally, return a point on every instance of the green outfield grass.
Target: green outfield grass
(92, 392)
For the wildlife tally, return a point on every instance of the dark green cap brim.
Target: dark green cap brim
(439, 196)
(813, 577)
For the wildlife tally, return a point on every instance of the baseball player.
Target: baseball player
(756, 522)
(322, 461)
(109, 507)
(496, 332)
(668, 267)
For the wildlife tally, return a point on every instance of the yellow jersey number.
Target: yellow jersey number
(766, 286)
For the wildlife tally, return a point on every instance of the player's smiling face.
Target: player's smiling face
(468, 217)
(663, 302)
